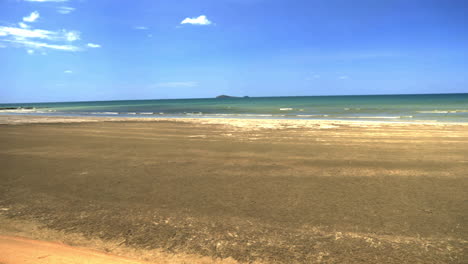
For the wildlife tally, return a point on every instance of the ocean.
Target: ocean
(406, 108)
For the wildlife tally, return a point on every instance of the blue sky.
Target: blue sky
(75, 50)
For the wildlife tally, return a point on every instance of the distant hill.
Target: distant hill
(228, 96)
(225, 96)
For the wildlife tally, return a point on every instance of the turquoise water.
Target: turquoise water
(433, 107)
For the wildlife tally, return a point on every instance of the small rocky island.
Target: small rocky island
(228, 96)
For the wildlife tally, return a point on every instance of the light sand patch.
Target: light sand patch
(238, 124)
(16, 250)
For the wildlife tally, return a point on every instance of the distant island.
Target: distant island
(228, 96)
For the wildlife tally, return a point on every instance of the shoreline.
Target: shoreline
(274, 123)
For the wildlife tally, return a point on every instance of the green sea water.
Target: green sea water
(427, 107)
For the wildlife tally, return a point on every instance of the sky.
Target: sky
(87, 50)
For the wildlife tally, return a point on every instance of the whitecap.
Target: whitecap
(433, 112)
(308, 115)
(371, 117)
(105, 113)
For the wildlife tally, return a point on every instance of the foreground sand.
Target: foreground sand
(16, 250)
(272, 191)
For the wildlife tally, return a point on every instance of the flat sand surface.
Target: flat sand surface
(15, 250)
(238, 191)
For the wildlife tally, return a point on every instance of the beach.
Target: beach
(220, 190)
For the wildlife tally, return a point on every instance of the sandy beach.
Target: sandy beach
(238, 190)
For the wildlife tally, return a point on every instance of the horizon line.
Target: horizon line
(231, 96)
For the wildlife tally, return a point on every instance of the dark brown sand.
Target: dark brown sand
(319, 192)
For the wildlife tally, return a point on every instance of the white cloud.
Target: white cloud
(32, 17)
(37, 40)
(42, 1)
(57, 47)
(21, 33)
(92, 45)
(23, 25)
(37, 45)
(176, 84)
(201, 20)
(22, 37)
(344, 77)
(71, 35)
(141, 28)
(68, 71)
(65, 10)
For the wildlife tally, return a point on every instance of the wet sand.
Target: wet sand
(272, 191)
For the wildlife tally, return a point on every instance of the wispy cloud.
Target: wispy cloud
(71, 35)
(315, 76)
(201, 20)
(32, 17)
(141, 28)
(68, 71)
(344, 77)
(176, 84)
(21, 33)
(34, 44)
(65, 10)
(92, 45)
(42, 1)
(39, 39)
(23, 25)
